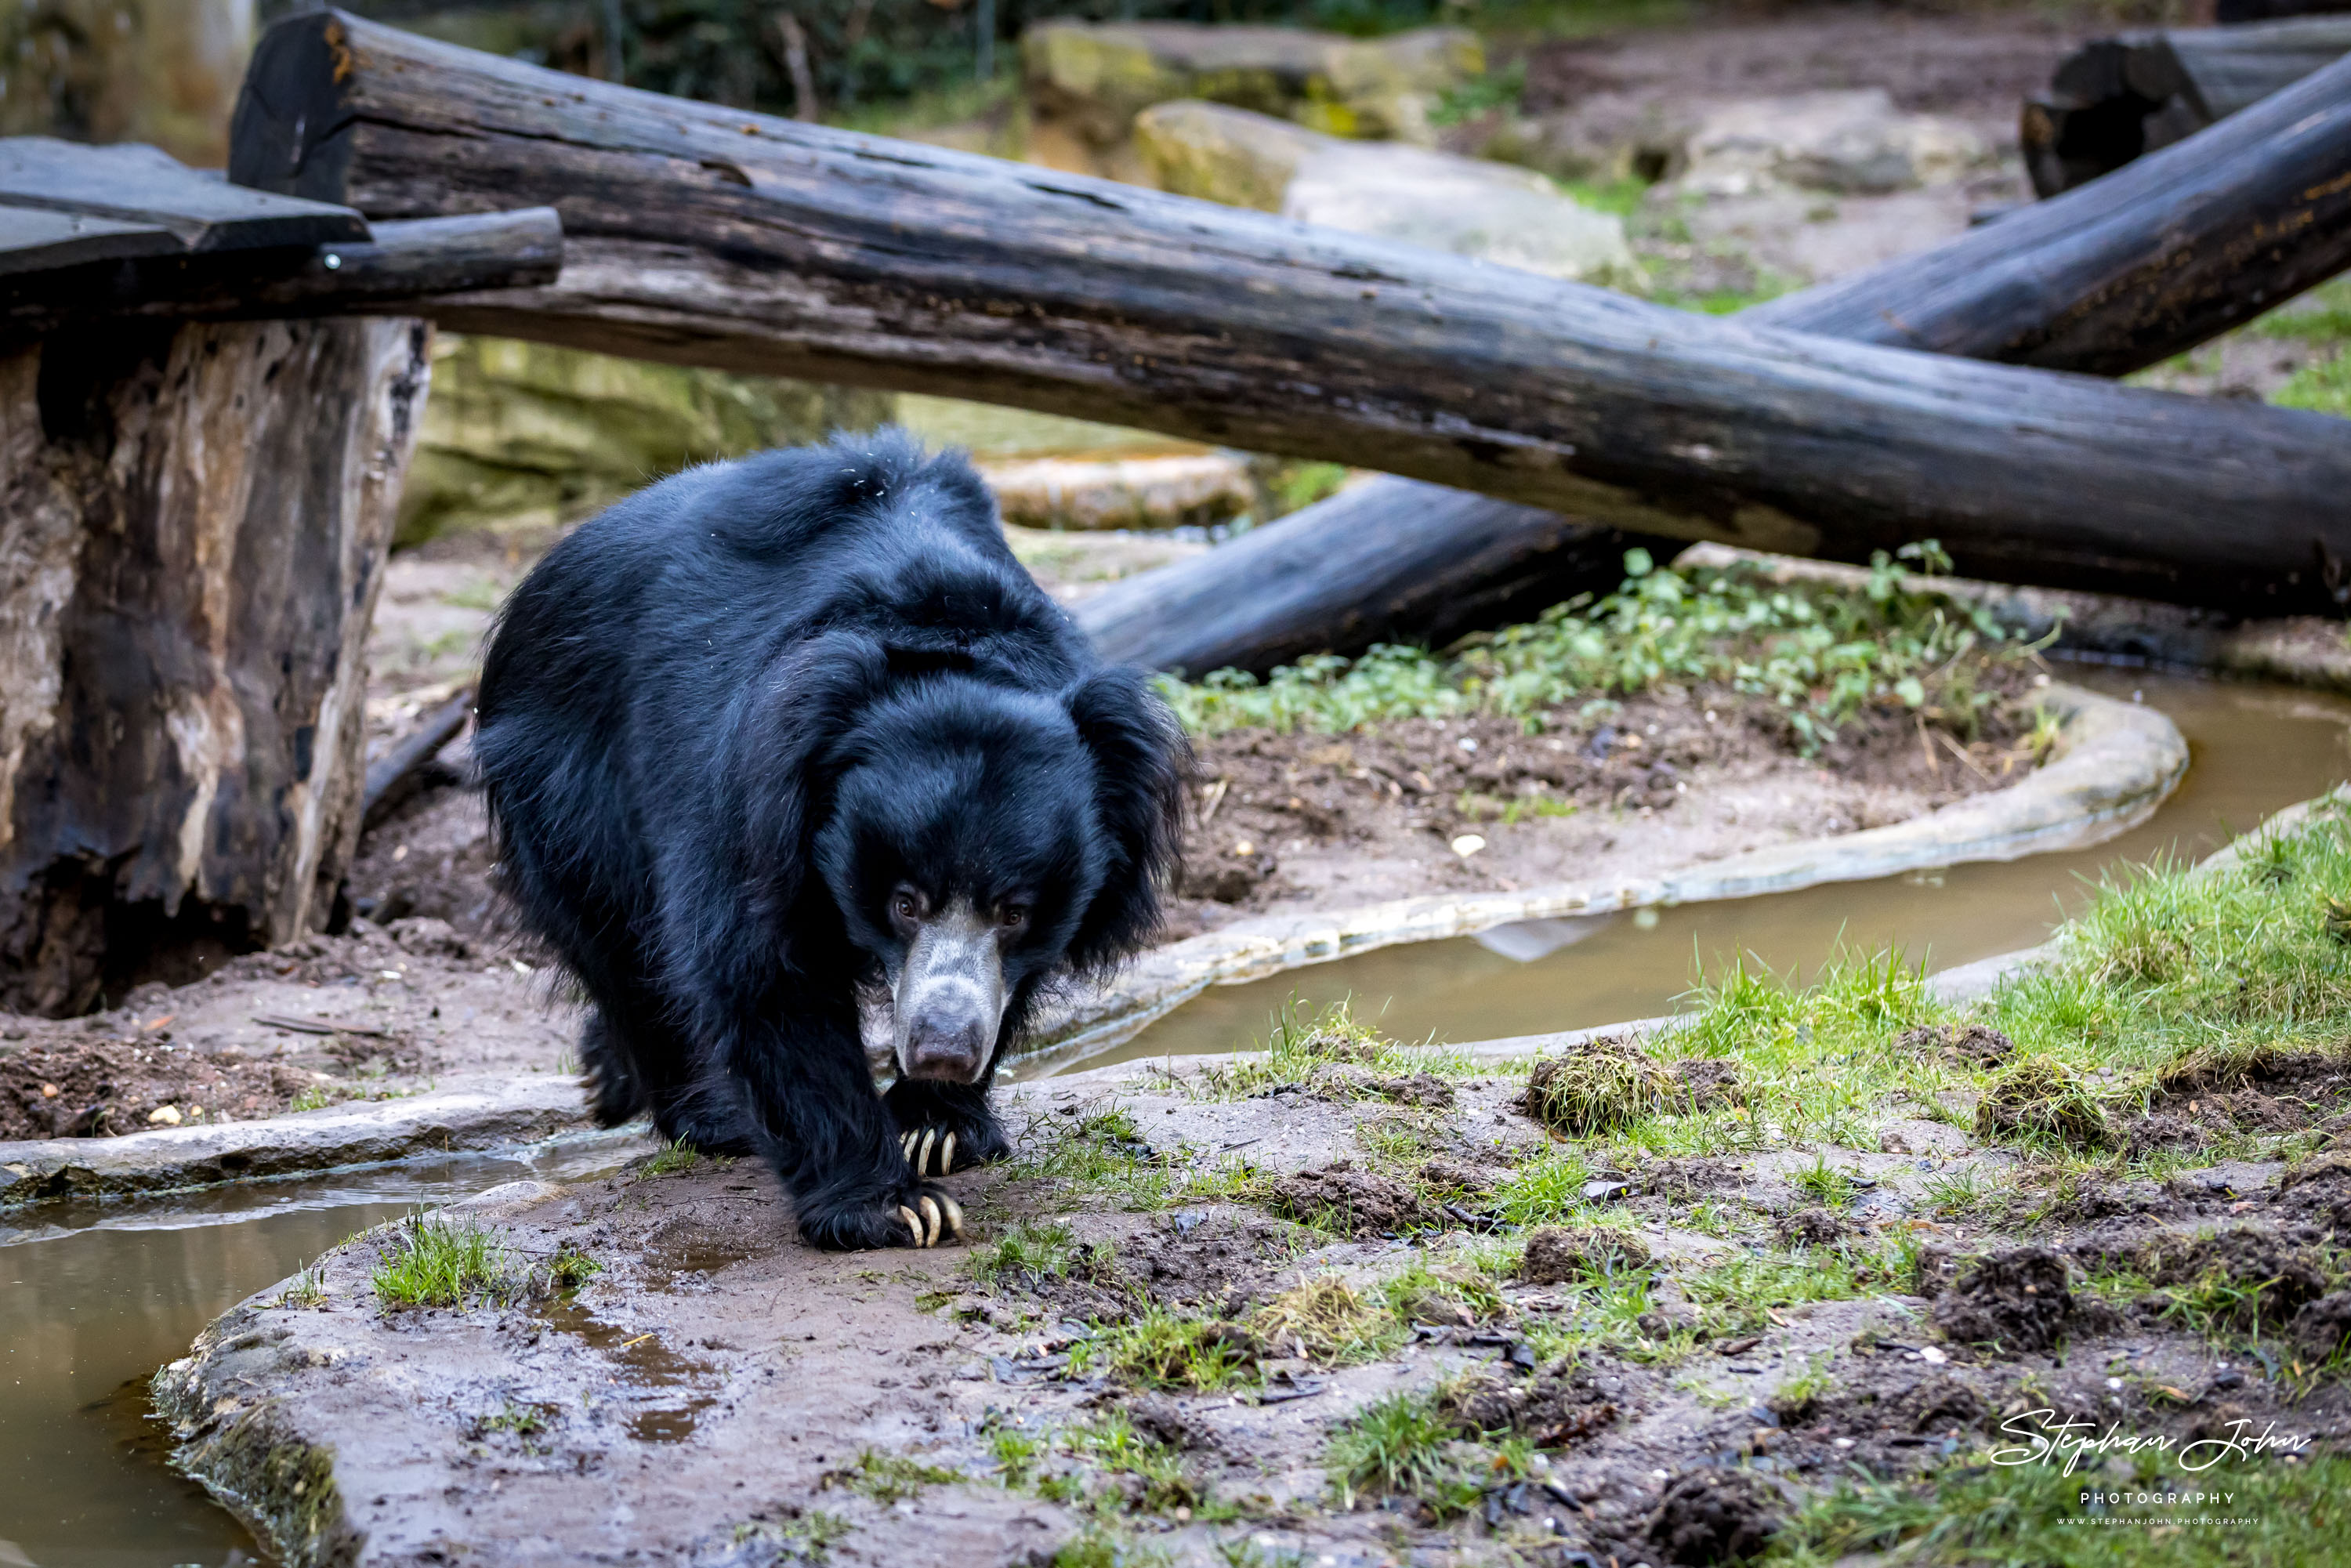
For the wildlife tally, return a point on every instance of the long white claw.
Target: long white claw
(923, 1160)
(931, 1213)
(954, 1216)
(914, 1223)
(907, 1145)
(947, 1154)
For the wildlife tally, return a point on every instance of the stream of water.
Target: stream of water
(2253, 750)
(94, 1296)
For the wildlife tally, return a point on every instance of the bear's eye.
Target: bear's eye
(1012, 916)
(904, 906)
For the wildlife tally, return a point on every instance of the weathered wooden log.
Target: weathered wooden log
(393, 777)
(2107, 278)
(704, 234)
(1390, 561)
(193, 519)
(2114, 100)
(385, 273)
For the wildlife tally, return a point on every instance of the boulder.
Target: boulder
(1466, 206)
(1089, 80)
(1087, 494)
(1604, 137)
(526, 433)
(1854, 143)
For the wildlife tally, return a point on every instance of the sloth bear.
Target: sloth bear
(779, 736)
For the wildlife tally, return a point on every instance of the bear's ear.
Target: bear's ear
(1141, 761)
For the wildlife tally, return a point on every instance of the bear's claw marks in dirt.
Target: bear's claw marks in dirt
(926, 1225)
(919, 1146)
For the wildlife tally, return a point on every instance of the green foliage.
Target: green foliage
(805, 1537)
(1027, 1255)
(1299, 1042)
(887, 1478)
(1482, 95)
(2321, 316)
(1619, 197)
(427, 1262)
(1403, 1445)
(1820, 654)
(2323, 387)
(676, 1160)
(1161, 1348)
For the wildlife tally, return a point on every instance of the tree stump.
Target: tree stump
(193, 523)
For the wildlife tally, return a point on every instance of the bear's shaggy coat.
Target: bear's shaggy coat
(745, 734)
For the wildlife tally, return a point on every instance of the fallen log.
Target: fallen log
(393, 777)
(2106, 279)
(2114, 100)
(703, 235)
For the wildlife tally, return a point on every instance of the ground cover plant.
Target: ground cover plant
(1819, 654)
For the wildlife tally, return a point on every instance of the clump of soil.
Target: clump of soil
(1553, 1407)
(1422, 1089)
(2249, 1279)
(2020, 1298)
(1598, 1087)
(1710, 1516)
(1456, 1180)
(1940, 1403)
(105, 1089)
(1354, 1202)
(1708, 1082)
(1683, 1179)
(1560, 1254)
(2040, 1096)
(1811, 1227)
(2322, 1327)
(1972, 1045)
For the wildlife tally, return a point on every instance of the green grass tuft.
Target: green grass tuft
(1820, 654)
(427, 1262)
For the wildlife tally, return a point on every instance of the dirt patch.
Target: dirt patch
(1552, 1408)
(85, 1090)
(2041, 1098)
(1708, 1082)
(1971, 1045)
(2246, 1279)
(1301, 821)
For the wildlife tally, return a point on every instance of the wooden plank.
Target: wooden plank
(377, 276)
(704, 234)
(35, 240)
(140, 184)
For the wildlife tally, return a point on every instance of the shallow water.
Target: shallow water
(86, 1315)
(2252, 749)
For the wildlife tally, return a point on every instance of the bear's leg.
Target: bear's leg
(945, 1127)
(807, 1087)
(616, 1093)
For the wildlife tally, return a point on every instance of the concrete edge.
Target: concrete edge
(2117, 762)
(524, 1111)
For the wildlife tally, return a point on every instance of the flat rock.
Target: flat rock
(1463, 206)
(1854, 143)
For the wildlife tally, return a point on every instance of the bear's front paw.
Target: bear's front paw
(931, 1212)
(919, 1216)
(942, 1129)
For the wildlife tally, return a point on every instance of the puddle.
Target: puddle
(2253, 750)
(86, 1315)
(644, 1361)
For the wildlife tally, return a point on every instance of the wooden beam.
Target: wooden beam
(141, 184)
(34, 240)
(385, 275)
(703, 235)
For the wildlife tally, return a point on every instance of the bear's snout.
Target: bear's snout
(949, 997)
(949, 1045)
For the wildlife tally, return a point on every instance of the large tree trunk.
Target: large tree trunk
(192, 537)
(703, 235)
(2107, 278)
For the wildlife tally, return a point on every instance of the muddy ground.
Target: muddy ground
(1185, 1296)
